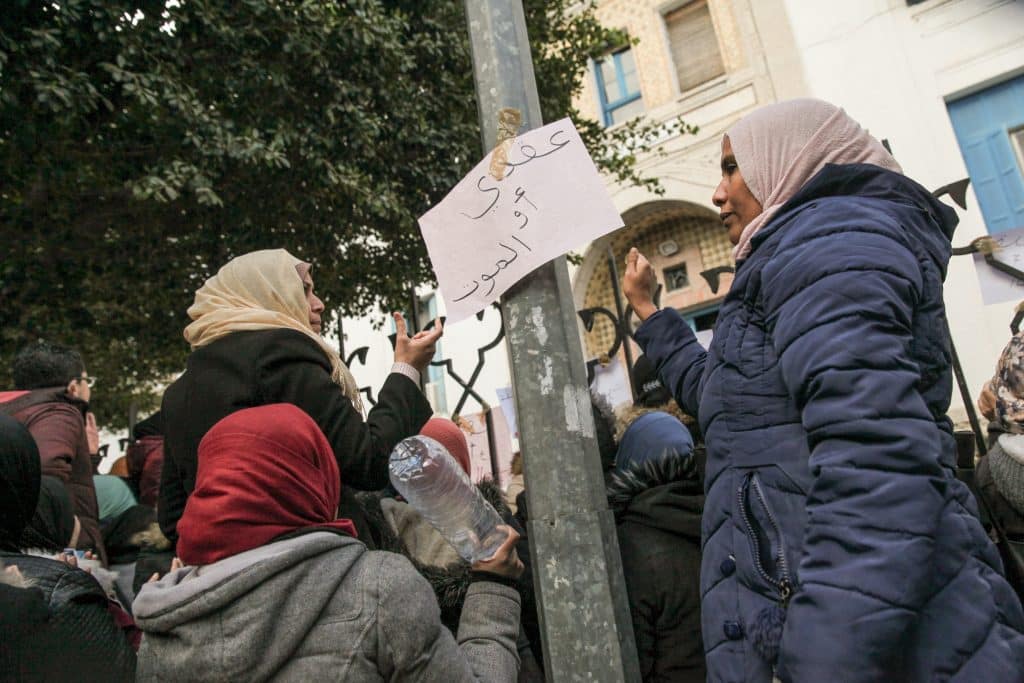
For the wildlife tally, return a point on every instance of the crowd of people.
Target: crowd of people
(786, 501)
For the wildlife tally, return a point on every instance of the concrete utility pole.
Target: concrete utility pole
(577, 571)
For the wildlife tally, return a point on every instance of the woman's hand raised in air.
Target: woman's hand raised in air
(639, 284)
(419, 349)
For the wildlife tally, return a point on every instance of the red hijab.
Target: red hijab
(451, 436)
(263, 472)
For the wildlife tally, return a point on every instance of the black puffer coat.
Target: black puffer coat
(658, 503)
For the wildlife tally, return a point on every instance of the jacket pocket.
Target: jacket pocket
(764, 534)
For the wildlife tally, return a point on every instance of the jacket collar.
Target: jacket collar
(12, 402)
(866, 180)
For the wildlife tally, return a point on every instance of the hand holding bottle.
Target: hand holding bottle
(505, 561)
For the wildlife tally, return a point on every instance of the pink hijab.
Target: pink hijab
(781, 146)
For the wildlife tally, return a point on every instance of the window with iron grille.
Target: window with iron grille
(676, 277)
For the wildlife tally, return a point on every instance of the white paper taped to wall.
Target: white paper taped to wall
(997, 286)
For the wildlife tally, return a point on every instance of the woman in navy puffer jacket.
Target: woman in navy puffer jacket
(838, 545)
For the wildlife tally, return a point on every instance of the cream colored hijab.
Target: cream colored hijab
(781, 146)
(260, 290)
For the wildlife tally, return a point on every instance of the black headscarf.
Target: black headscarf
(650, 392)
(19, 482)
(53, 523)
(151, 426)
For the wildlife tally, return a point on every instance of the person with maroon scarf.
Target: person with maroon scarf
(276, 586)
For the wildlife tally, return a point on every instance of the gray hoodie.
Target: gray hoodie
(319, 607)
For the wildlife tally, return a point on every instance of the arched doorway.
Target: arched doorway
(681, 239)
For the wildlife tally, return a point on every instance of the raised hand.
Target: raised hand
(92, 433)
(418, 350)
(639, 284)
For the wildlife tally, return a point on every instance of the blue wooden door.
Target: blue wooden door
(989, 126)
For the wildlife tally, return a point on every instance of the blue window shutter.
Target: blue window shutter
(982, 123)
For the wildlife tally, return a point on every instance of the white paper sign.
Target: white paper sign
(997, 286)
(488, 234)
(508, 407)
(612, 382)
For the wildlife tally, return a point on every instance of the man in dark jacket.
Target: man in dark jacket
(51, 401)
(657, 496)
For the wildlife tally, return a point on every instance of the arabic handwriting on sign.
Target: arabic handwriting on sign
(497, 194)
(489, 278)
(530, 152)
(476, 286)
(525, 246)
(557, 140)
(520, 214)
(500, 265)
(503, 263)
(521, 194)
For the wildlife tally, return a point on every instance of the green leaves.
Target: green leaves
(144, 143)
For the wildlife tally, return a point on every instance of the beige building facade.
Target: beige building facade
(903, 68)
(900, 67)
(702, 61)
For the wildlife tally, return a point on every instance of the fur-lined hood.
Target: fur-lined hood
(658, 477)
(624, 485)
(450, 582)
(664, 492)
(627, 414)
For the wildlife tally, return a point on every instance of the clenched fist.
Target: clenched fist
(639, 284)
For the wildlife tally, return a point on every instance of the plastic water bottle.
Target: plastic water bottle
(430, 479)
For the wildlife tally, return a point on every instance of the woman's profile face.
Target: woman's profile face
(316, 306)
(737, 205)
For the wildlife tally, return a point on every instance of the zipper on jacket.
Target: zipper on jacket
(782, 584)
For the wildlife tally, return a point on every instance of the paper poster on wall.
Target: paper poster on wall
(508, 407)
(502, 446)
(612, 382)
(474, 426)
(540, 198)
(997, 286)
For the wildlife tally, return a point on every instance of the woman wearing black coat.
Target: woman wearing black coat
(256, 340)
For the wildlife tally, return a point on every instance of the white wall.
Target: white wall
(893, 68)
(360, 332)
(460, 342)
